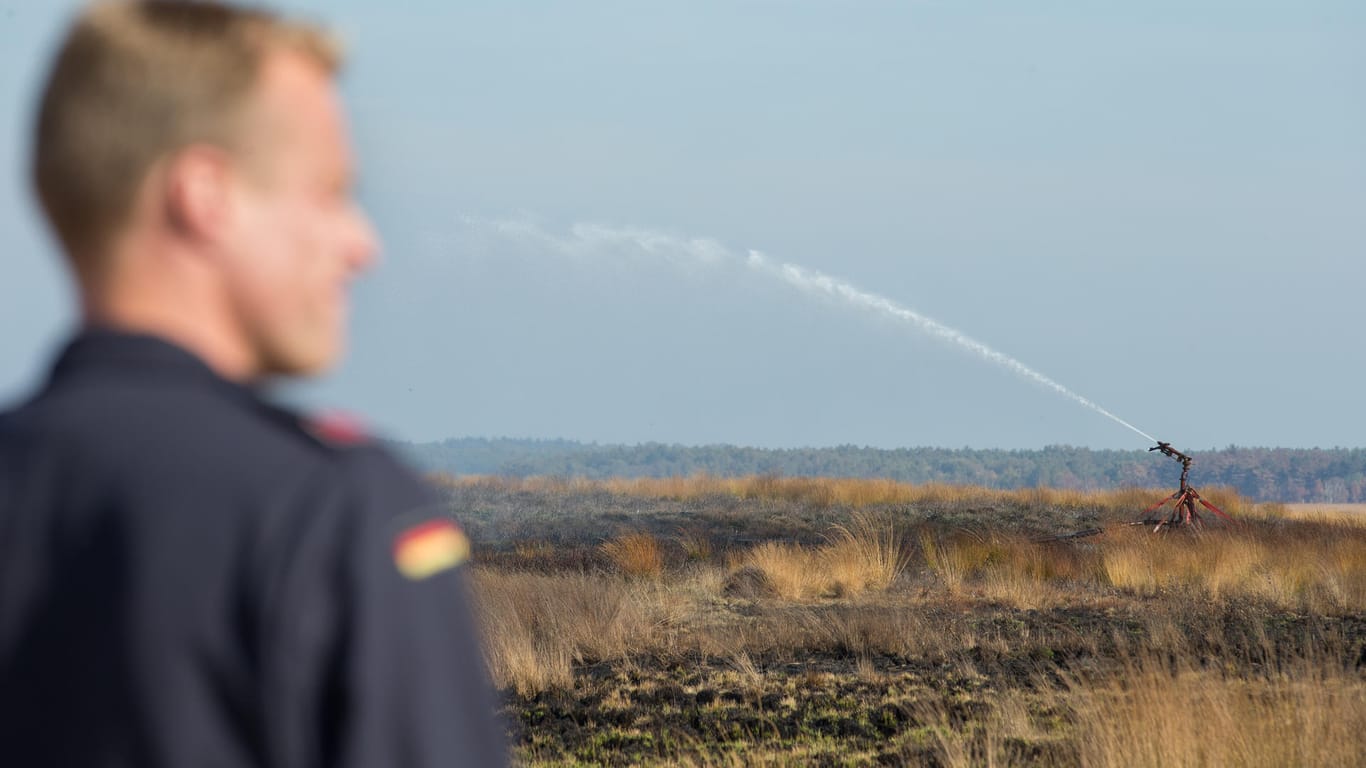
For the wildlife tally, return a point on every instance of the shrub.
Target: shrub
(634, 554)
(866, 554)
(789, 569)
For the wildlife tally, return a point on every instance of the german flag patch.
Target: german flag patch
(429, 548)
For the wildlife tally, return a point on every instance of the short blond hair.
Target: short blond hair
(137, 80)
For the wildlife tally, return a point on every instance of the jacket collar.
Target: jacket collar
(149, 359)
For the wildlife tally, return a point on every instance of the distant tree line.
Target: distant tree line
(1336, 475)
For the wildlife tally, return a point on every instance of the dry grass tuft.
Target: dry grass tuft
(537, 626)
(955, 558)
(1005, 722)
(1155, 716)
(1130, 566)
(1317, 567)
(634, 554)
(789, 570)
(868, 553)
(747, 673)
(696, 544)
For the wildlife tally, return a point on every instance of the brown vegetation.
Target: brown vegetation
(828, 492)
(1306, 715)
(934, 633)
(1335, 513)
(634, 554)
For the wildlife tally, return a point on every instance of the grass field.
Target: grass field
(769, 621)
(1347, 513)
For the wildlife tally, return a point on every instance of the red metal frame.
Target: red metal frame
(1183, 511)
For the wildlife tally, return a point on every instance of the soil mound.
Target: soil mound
(749, 583)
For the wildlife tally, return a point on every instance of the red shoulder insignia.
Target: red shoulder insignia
(337, 428)
(430, 547)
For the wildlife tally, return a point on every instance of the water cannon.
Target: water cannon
(1168, 450)
(1186, 497)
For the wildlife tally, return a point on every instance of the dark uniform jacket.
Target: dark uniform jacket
(189, 577)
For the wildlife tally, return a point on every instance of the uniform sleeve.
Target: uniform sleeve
(414, 684)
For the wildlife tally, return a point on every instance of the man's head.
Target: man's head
(193, 160)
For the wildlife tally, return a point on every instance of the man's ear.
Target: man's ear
(198, 191)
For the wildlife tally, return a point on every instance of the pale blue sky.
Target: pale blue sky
(1159, 205)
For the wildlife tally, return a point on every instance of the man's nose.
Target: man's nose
(364, 250)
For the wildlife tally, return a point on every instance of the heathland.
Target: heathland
(1336, 475)
(807, 621)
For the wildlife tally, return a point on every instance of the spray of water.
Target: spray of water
(815, 282)
(586, 240)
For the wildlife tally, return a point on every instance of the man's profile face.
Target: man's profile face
(299, 237)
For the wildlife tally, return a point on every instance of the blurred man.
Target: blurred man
(188, 575)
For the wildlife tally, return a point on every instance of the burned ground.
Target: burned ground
(790, 625)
